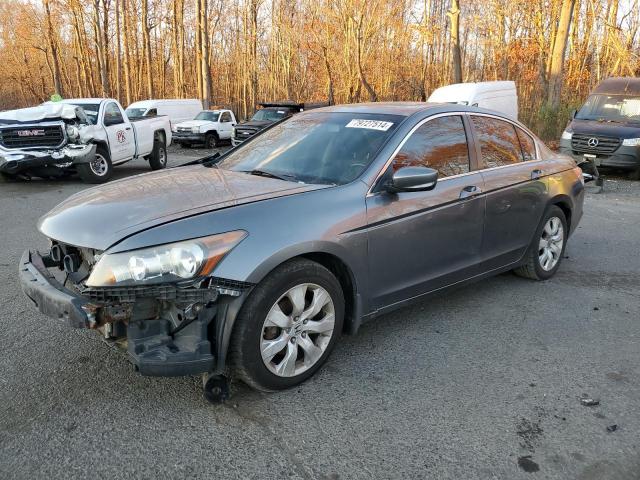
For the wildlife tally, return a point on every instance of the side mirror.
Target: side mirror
(413, 179)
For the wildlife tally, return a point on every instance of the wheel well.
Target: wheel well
(160, 134)
(212, 132)
(566, 209)
(345, 277)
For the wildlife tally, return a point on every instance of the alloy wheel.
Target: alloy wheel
(99, 165)
(297, 330)
(550, 245)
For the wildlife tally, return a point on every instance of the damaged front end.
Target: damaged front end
(167, 328)
(48, 140)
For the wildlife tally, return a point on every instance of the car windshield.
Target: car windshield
(318, 147)
(135, 112)
(270, 114)
(208, 116)
(91, 110)
(610, 108)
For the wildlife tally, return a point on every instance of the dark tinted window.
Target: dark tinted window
(527, 144)
(499, 144)
(440, 144)
(112, 115)
(152, 113)
(226, 117)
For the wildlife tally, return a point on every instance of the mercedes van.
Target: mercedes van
(498, 96)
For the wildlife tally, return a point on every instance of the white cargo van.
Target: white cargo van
(499, 96)
(178, 110)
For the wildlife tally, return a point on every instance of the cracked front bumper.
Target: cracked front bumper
(14, 162)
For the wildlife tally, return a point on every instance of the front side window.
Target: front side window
(527, 144)
(499, 144)
(225, 117)
(315, 147)
(440, 144)
(112, 115)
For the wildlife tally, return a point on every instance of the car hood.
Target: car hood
(101, 216)
(255, 124)
(193, 123)
(608, 129)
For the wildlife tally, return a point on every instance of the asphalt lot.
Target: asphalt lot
(482, 383)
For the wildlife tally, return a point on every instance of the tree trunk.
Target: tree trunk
(557, 55)
(127, 53)
(146, 39)
(53, 46)
(456, 56)
(118, 54)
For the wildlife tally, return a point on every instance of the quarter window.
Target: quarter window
(527, 144)
(499, 144)
(440, 144)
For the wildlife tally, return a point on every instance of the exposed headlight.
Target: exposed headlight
(631, 142)
(174, 128)
(195, 129)
(233, 131)
(171, 262)
(72, 132)
(566, 135)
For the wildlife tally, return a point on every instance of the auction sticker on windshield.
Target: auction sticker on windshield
(370, 124)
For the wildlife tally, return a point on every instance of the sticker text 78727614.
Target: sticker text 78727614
(370, 124)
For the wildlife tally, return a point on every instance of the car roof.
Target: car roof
(619, 86)
(405, 109)
(85, 100)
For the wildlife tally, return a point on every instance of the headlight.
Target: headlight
(631, 142)
(171, 262)
(233, 132)
(72, 132)
(174, 128)
(195, 129)
(566, 135)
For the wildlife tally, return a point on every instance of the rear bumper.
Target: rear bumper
(14, 162)
(624, 157)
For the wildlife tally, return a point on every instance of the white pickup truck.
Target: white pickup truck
(86, 135)
(209, 128)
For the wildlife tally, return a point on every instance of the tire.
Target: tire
(538, 265)
(99, 170)
(211, 140)
(6, 178)
(158, 157)
(634, 174)
(254, 335)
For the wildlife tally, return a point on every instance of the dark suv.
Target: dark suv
(268, 114)
(606, 130)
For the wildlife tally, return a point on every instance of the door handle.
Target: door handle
(536, 174)
(470, 191)
(128, 128)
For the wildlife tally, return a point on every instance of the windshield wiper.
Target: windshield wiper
(264, 173)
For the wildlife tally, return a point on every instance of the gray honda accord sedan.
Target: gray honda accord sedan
(254, 263)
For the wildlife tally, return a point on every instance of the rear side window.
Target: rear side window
(440, 144)
(499, 144)
(527, 144)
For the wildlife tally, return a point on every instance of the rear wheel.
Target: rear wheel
(288, 326)
(211, 140)
(99, 170)
(158, 157)
(547, 248)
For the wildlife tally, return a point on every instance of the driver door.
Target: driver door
(423, 241)
(122, 144)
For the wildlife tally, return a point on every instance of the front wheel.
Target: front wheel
(99, 170)
(158, 157)
(288, 326)
(547, 248)
(211, 140)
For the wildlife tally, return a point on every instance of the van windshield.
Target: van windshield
(320, 147)
(610, 108)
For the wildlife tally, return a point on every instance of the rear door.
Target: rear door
(515, 189)
(422, 241)
(122, 143)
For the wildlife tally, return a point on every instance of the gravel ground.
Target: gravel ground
(482, 383)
